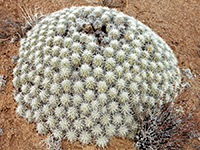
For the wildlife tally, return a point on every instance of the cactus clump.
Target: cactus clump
(84, 71)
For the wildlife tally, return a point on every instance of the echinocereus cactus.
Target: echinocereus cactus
(84, 71)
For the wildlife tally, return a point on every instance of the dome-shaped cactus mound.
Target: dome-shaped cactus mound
(83, 72)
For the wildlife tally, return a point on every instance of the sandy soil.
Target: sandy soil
(176, 21)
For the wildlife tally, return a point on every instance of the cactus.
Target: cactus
(84, 71)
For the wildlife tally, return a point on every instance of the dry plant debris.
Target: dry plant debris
(9, 29)
(13, 31)
(187, 72)
(167, 128)
(108, 3)
(2, 81)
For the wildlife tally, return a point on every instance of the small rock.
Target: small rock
(1, 131)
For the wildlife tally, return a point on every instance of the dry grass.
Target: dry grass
(13, 31)
(167, 129)
(9, 29)
(31, 18)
